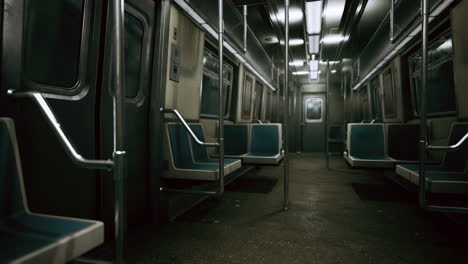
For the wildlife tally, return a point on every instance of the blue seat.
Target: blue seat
(366, 146)
(181, 158)
(200, 154)
(451, 170)
(26, 237)
(236, 140)
(265, 144)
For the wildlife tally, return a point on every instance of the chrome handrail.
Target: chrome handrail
(187, 127)
(71, 151)
(454, 147)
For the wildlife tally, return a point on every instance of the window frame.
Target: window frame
(257, 110)
(389, 69)
(227, 64)
(413, 75)
(304, 107)
(81, 86)
(375, 96)
(244, 87)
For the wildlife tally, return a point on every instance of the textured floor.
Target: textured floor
(342, 215)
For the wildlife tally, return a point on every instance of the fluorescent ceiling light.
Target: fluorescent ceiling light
(333, 71)
(295, 15)
(314, 44)
(314, 75)
(296, 42)
(313, 65)
(330, 62)
(313, 17)
(333, 39)
(296, 63)
(300, 73)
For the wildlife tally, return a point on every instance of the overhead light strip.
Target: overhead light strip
(439, 9)
(182, 4)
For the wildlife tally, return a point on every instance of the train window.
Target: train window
(267, 106)
(441, 86)
(258, 100)
(389, 93)
(247, 96)
(53, 42)
(364, 98)
(134, 31)
(376, 112)
(210, 85)
(313, 107)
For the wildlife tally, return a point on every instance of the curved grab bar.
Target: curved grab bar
(57, 128)
(448, 148)
(186, 126)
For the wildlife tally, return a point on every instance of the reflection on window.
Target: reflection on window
(258, 101)
(440, 94)
(313, 108)
(133, 48)
(210, 85)
(53, 41)
(375, 102)
(247, 96)
(389, 93)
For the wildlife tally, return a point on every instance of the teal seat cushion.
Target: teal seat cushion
(236, 139)
(264, 140)
(25, 233)
(456, 160)
(367, 142)
(200, 153)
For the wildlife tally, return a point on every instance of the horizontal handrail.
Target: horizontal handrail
(57, 128)
(189, 130)
(448, 148)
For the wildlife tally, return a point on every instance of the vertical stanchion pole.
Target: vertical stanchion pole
(327, 160)
(221, 98)
(286, 105)
(118, 118)
(244, 9)
(422, 105)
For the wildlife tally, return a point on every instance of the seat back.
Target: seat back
(200, 153)
(456, 160)
(265, 139)
(402, 141)
(236, 139)
(179, 146)
(12, 195)
(336, 133)
(366, 141)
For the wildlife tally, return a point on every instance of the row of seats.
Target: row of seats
(27, 237)
(258, 144)
(381, 145)
(450, 176)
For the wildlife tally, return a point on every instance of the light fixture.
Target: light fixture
(296, 63)
(313, 65)
(313, 75)
(313, 44)
(300, 73)
(295, 15)
(333, 39)
(313, 17)
(330, 62)
(294, 42)
(333, 71)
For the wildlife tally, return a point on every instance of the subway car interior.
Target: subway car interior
(234, 131)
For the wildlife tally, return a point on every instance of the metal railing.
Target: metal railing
(423, 143)
(187, 128)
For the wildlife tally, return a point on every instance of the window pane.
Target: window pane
(375, 87)
(389, 97)
(133, 46)
(210, 85)
(247, 97)
(258, 101)
(53, 41)
(313, 109)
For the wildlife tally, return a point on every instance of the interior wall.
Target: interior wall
(460, 58)
(185, 49)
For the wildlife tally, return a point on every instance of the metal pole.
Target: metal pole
(286, 105)
(221, 98)
(327, 160)
(244, 8)
(118, 116)
(392, 20)
(422, 105)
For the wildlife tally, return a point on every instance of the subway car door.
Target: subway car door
(53, 46)
(313, 122)
(138, 34)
